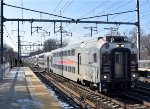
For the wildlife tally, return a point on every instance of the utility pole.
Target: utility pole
(19, 41)
(61, 46)
(19, 52)
(61, 32)
(91, 29)
(61, 42)
(2, 21)
(111, 30)
(138, 29)
(37, 29)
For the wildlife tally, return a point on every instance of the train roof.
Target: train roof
(95, 42)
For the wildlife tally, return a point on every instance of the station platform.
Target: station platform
(21, 89)
(143, 69)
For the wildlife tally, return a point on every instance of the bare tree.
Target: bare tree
(49, 45)
(144, 43)
(9, 54)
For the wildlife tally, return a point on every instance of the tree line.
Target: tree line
(144, 43)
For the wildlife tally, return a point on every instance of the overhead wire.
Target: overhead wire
(12, 39)
(117, 9)
(54, 10)
(105, 3)
(38, 11)
(113, 5)
(67, 7)
(99, 5)
(10, 36)
(63, 9)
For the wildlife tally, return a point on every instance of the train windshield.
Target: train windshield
(116, 39)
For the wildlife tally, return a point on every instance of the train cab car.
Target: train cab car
(118, 64)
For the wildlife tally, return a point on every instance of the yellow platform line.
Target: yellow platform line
(37, 88)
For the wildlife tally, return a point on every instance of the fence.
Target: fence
(4, 69)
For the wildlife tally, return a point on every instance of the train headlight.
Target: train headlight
(133, 75)
(120, 45)
(105, 76)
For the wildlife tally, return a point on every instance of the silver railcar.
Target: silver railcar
(106, 63)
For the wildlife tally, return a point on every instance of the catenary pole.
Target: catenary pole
(18, 43)
(2, 21)
(138, 29)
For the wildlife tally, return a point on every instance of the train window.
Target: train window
(69, 53)
(62, 53)
(62, 67)
(73, 52)
(73, 69)
(94, 58)
(65, 54)
(66, 68)
(69, 69)
(118, 58)
(41, 56)
(80, 60)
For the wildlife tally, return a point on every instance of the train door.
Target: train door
(51, 61)
(79, 63)
(48, 63)
(37, 60)
(118, 64)
(121, 64)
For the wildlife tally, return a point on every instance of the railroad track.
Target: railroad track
(85, 98)
(140, 97)
(89, 99)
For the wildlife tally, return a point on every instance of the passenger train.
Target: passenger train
(105, 63)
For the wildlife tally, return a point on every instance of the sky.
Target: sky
(75, 9)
